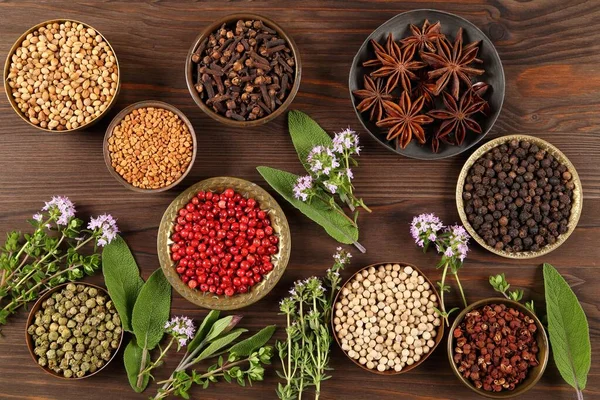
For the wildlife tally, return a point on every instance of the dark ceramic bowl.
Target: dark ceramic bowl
(534, 373)
(399, 27)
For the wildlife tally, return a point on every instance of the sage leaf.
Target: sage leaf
(132, 358)
(247, 346)
(219, 343)
(306, 134)
(569, 330)
(203, 330)
(223, 325)
(336, 225)
(122, 277)
(151, 310)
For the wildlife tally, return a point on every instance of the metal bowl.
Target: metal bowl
(534, 373)
(576, 205)
(119, 117)
(280, 259)
(399, 27)
(8, 90)
(36, 307)
(189, 68)
(437, 339)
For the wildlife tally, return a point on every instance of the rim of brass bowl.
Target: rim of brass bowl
(280, 259)
(189, 65)
(438, 337)
(119, 117)
(534, 374)
(12, 101)
(36, 307)
(576, 204)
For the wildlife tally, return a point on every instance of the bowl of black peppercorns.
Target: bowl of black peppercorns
(243, 70)
(519, 196)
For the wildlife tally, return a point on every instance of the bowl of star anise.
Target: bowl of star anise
(427, 84)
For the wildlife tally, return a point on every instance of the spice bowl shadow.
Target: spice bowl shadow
(534, 373)
(38, 305)
(120, 116)
(191, 84)
(439, 330)
(11, 99)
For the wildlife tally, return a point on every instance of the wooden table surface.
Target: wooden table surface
(551, 56)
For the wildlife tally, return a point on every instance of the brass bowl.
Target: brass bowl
(534, 374)
(280, 259)
(437, 339)
(119, 117)
(189, 68)
(576, 204)
(36, 307)
(8, 90)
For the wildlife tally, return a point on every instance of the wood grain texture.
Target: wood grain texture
(551, 53)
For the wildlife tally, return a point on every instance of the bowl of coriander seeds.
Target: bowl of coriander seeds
(61, 76)
(74, 331)
(384, 318)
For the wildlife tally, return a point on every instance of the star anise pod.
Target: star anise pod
(479, 90)
(457, 117)
(424, 86)
(452, 63)
(423, 38)
(373, 97)
(404, 120)
(397, 64)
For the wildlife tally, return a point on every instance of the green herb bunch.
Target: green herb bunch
(499, 283)
(51, 255)
(304, 354)
(329, 165)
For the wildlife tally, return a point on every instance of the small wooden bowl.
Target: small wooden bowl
(189, 68)
(576, 205)
(8, 90)
(280, 259)
(407, 368)
(119, 117)
(38, 305)
(534, 373)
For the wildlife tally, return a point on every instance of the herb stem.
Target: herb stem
(443, 306)
(462, 293)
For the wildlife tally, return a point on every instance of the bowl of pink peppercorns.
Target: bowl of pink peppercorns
(224, 243)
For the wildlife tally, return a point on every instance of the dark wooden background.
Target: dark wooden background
(551, 56)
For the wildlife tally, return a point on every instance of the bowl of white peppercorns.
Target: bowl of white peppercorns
(384, 318)
(61, 76)
(74, 331)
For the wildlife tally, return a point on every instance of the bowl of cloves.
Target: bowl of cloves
(498, 348)
(243, 70)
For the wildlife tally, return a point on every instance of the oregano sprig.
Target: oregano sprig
(499, 283)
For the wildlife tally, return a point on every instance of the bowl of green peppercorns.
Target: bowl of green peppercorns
(74, 330)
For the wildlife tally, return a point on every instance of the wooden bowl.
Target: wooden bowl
(280, 259)
(8, 91)
(407, 368)
(189, 70)
(576, 205)
(119, 117)
(38, 305)
(399, 27)
(534, 373)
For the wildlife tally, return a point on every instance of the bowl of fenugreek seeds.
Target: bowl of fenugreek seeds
(61, 76)
(150, 146)
(74, 330)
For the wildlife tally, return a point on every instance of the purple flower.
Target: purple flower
(322, 160)
(105, 227)
(61, 208)
(349, 173)
(38, 217)
(342, 256)
(346, 141)
(330, 186)
(458, 241)
(303, 187)
(424, 229)
(181, 328)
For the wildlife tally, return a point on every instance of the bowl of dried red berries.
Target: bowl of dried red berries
(224, 243)
(498, 348)
(427, 84)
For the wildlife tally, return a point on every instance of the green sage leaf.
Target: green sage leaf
(132, 358)
(336, 225)
(219, 343)
(306, 134)
(223, 325)
(247, 346)
(203, 330)
(151, 310)
(122, 277)
(568, 328)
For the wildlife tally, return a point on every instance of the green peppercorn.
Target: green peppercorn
(67, 347)
(68, 304)
(75, 368)
(93, 369)
(55, 317)
(78, 356)
(80, 288)
(66, 333)
(67, 373)
(87, 341)
(114, 344)
(71, 287)
(51, 354)
(53, 327)
(80, 374)
(42, 361)
(53, 336)
(93, 292)
(82, 296)
(46, 319)
(90, 303)
(53, 345)
(80, 348)
(77, 333)
(61, 341)
(40, 330)
(83, 309)
(31, 330)
(71, 324)
(80, 318)
(85, 366)
(62, 321)
(110, 325)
